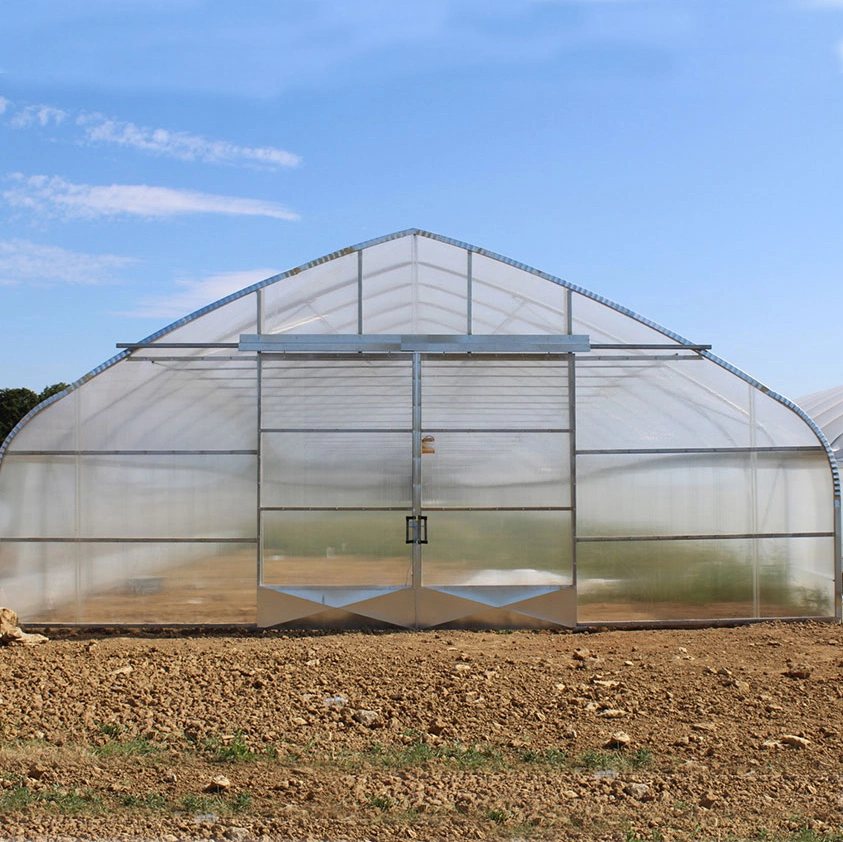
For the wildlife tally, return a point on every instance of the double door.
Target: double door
(406, 479)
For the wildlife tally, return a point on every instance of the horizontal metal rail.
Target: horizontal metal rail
(409, 430)
(414, 343)
(637, 358)
(65, 540)
(724, 536)
(212, 358)
(648, 346)
(133, 345)
(643, 451)
(133, 453)
(408, 507)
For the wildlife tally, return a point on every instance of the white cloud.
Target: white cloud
(24, 262)
(56, 195)
(193, 294)
(182, 145)
(4, 104)
(41, 114)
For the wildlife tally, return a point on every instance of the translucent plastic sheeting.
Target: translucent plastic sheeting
(826, 408)
(701, 580)
(330, 394)
(496, 469)
(80, 582)
(606, 325)
(336, 469)
(497, 548)
(335, 548)
(223, 324)
(691, 403)
(129, 496)
(704, 494)
(508, 300)
(495, 394)
(414, 285)
(136, 405)
(323, 299)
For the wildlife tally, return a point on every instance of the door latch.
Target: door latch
(416, 529)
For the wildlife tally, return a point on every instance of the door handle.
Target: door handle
(416, 529)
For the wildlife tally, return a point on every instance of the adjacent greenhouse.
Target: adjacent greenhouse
(415, 431)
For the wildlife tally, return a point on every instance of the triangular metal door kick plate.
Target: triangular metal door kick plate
(549, 603)
(277, 604)
(425, 608)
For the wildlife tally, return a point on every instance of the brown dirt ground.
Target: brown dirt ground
(734, 733)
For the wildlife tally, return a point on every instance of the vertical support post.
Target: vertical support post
(468, 279)
(417, 478)
(259, 311)
(77, 509)
(360, 292)
(753, 507)
(259, 470)
(572, 436)
(414, 286)
(838, 561)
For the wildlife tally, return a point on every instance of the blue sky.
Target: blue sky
(681, 157)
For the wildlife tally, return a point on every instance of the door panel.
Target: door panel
(351, 446)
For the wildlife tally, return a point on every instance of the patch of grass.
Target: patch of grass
(471, 757)
(136, 746)
(55, 799)
(619, 761)
(218, 805)
(549, 757)
(498, 816)
(153, 801)
(234, 749)
(380, 802)
(16, 798)
(109, 729)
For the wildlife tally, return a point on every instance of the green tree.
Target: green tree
(15, 403)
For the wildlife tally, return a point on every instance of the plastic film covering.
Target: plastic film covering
(703, 580)
(131, 496)
(351, 549)
(496, 469)
(180, 404)
(607, 325)
(321, 300)
(116, 583)
(703, 494)
(495, 394)
(826, 408)
(510, 300)
(336, 469)
(220, 324)
(330, 394)
(687, 403)
(498, 548)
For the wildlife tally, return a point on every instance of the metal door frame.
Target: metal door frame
(415, 605)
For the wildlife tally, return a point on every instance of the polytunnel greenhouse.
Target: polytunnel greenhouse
(415, 431)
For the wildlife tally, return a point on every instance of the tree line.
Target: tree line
(15, 403)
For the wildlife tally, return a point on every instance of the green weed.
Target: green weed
(381, 802)
(219, 805)
(136, 746)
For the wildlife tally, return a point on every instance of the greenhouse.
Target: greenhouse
(415, 432)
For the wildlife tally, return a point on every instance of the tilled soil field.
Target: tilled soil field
(733, 733)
